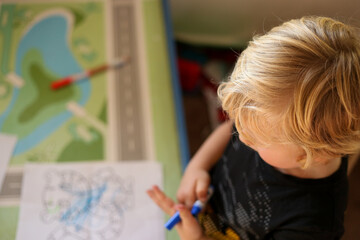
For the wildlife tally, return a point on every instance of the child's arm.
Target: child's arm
(196, 179)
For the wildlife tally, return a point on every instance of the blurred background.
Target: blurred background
(209, 36)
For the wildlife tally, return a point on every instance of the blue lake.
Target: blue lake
(50, 37)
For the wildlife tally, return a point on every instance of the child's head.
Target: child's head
(299, 84)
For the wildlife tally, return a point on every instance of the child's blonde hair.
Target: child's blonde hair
(299, 83)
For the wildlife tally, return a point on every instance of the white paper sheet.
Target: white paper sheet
(7, 145)
(90, 201)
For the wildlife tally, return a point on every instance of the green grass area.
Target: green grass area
(42, 80)
(78, 150)
(81, 150)
(8, 218)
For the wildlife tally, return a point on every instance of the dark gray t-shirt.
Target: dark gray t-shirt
(256, 201)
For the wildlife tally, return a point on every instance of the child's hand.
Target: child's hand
(196, 180)
(188, 228)
(194, 185)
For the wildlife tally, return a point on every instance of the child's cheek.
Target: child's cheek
(275, 159)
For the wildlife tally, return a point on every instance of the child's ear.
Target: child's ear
(301, 157)
(353, 159)
(303, 161)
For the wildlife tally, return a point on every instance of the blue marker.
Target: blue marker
(195, 210)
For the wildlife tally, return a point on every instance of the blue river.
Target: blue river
(50, 37)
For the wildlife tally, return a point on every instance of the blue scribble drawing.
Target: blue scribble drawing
(86, 207)
(80, 210)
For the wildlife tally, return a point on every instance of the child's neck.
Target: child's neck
(315, 171)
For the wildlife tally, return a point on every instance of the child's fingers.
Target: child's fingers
(202, 186)
(186, 196)
(164, 202)
(189, 201)
(166, 206)
(181, 195)
(187, 219)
